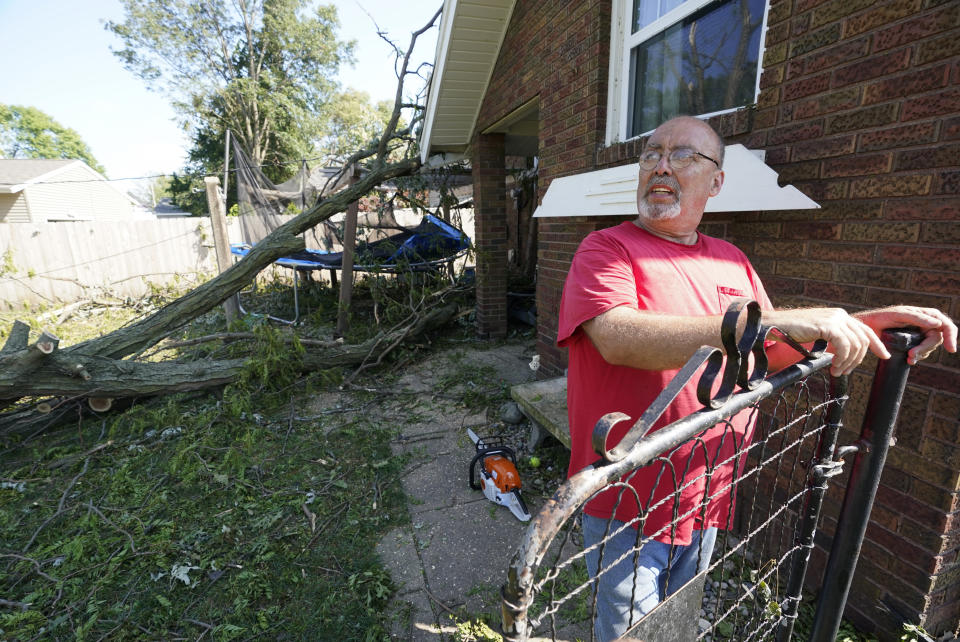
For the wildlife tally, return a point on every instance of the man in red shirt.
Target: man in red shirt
(639, 300)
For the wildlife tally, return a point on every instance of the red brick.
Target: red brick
(907, 85)
(950, 129)
(948, 406)
(848, 98)
(806, 87)
(874, 67)
(771, 77)
(882, 232)
(872, 275)
(777, 34)
(938, 49)
(834, 293)
(824, 148)
(948, 182)
(799, 172)
(775, 54)
(850, 211)
(822, 271)
(805, 5)
(779, 286)
(824, 190)
(768, 118)
(863, 118)
(881, 298)
(814, 40)
(905, 136)
(778, 12)
(778, 249)
(834, 56)
(888, 186)
(940, 451)
(913, 30)
(843, 252)
(927, 209)
(940, 156)
(933, 258)
(858, 165)
(936, 104)
(938, 282)
(834, 10)
(811, 230)
(793, 133)
(939, 379)
(885, 13)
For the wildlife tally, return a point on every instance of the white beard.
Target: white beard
(657, 212)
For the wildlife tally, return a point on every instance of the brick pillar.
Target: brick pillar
(489, 196)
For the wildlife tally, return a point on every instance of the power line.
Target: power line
(185, 175)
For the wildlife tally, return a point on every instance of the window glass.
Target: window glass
(646, 11)
(705, 63)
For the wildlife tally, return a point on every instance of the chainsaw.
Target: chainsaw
(498, 474)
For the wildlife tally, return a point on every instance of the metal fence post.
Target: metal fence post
(875, 436)
(822, 468)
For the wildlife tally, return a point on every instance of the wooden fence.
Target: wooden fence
(52, 264)
(49, 264)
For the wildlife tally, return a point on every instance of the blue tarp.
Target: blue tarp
(432, 241)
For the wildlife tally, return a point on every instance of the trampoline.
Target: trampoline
(425, 248)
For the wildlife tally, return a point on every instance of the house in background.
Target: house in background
(47, 190)
(856, 103)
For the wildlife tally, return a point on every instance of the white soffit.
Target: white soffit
(749, 185)
(471, 32)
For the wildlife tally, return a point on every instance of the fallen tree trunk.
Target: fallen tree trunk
(71, 374)
(96, 369)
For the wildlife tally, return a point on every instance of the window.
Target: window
(671, 57)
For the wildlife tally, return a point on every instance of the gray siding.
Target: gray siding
(77, 194)
(13, 208)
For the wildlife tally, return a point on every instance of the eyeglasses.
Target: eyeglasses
(678, 158)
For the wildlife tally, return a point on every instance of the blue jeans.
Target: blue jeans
(616, 585)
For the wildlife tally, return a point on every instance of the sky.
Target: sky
(56, 57)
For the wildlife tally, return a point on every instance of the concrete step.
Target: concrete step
(544, 403)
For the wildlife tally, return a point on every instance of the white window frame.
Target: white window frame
(622, 42)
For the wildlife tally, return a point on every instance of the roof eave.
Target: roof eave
(486, 21)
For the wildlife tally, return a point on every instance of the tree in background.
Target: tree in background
(27, 132)
(354, 122)
(264, 69)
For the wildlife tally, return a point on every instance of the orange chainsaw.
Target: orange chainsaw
(498, 474)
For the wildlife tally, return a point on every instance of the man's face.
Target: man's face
(670, 200)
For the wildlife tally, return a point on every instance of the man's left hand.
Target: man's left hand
(937, 327)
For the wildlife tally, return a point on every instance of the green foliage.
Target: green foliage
(354, 121)
(27, 132)
(263, 69)
(476, 386)
(912, 633)
(474, 631)
(7, 265)
(199, 513)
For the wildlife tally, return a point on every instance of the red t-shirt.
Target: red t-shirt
(626, 265)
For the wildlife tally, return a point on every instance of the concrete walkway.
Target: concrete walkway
(451, 561)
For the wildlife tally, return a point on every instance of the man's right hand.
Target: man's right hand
(850, 339)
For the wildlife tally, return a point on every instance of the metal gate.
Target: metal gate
(775, 473)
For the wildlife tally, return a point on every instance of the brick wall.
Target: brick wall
(490, 234)
(860, 109)
(557, 51)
